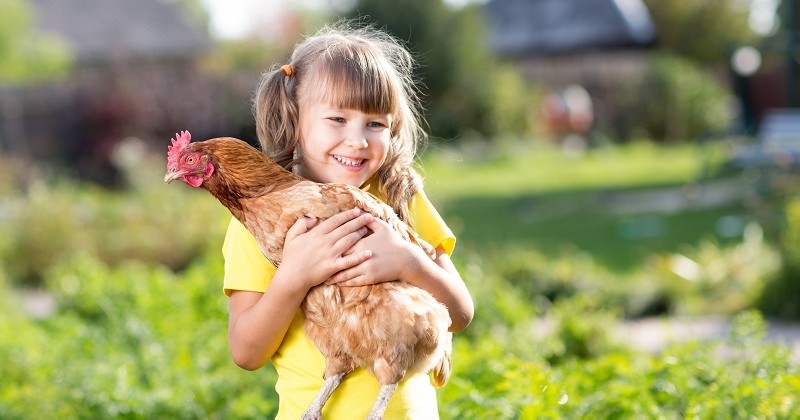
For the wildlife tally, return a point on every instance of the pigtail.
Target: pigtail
(398, 178)
(276, 112)
(399, 183)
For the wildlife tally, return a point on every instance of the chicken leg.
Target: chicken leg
(314, 411)
(381, 402)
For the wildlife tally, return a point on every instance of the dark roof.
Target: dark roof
(97, 30)
(539, 27)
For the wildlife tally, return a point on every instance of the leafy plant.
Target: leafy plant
(774, 299)
(132, 341)
(45, 222)
(676, 100)
(735, 377)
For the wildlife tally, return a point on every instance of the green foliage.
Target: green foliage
(45, 223)
(489, 382)
(138, 341)
(723, 24)
(775, 299)
(466, 89)
(194, 10)
(701, 280)
(25, 54)
(736, 377)
(135, 341)
(708, 278)
(676, 100)
(133, 338)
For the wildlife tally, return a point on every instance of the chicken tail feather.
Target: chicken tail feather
(441, 372)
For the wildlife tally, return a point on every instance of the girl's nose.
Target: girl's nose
(356, 140)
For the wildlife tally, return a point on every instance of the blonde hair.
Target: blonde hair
(353, 68)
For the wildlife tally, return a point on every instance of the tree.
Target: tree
(26, 54)
(704, 31)
(457, 69)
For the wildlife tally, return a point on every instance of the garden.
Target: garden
(112, 303)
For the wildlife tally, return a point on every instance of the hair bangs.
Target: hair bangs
(355, 79)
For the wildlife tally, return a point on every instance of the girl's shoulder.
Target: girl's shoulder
(246, 268)
(427, 221)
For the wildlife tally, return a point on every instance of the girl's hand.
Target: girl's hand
(391, 257)
(314, 250)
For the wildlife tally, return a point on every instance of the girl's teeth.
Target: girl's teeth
(348, 162)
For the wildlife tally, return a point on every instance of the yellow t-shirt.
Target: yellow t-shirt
(298, 362)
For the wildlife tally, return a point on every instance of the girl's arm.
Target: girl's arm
(251, 338)
(257, 322)
(441, 279)
(395, 258)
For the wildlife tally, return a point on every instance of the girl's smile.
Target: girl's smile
(349, 162)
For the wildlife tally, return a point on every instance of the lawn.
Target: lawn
(602, 203)
(525, 169)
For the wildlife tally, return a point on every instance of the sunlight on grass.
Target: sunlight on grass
(539, 197)
(515, 170)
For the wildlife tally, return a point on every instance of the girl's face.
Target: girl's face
(342, 145)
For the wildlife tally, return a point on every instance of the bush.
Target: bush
(705, 279)
(134, 341)
(736, 377)
(779, 297)
(139, 341)
(675, 101)
(44, 222)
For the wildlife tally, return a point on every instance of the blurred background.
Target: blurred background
(621, 176)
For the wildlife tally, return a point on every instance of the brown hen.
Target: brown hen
(391, 329)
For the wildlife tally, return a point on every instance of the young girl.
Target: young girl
(344, 109)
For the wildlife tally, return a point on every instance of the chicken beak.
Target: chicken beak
(171, 176)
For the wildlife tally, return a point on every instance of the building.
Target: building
(573, 46)
(135, 73)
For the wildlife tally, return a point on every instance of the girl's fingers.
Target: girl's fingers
(339, 219)
(377, 224)
(347, 241)
(355, 281)
(346, 235)
(301, 226)
(350, 261)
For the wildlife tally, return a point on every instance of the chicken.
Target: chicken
(365, 326)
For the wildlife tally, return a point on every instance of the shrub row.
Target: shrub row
(139, 341)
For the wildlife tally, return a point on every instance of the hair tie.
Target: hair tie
(287, 69)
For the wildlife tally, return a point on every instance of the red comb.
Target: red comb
(178, 143)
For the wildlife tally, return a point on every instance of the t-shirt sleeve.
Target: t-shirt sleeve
(430, 225)
(246, 268)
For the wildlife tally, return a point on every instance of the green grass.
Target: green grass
(522, 170)
(540, 198)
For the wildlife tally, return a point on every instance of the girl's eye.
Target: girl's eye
(376, 124)
(337, 119)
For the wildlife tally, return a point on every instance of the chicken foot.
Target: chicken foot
(314, 411)
(381, 402)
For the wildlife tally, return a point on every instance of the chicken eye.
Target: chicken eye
(190, 160)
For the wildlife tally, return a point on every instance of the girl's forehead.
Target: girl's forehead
(350, 88)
